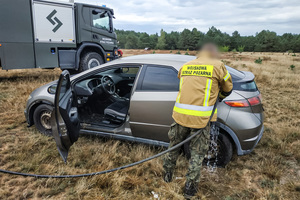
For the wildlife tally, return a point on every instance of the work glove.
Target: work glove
(221, 97)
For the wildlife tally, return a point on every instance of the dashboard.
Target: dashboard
(86, 87)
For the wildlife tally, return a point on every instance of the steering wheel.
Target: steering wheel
(108, 85)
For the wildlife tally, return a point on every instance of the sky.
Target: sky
(247, 17)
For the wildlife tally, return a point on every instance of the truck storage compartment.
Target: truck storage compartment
(17, 55)
(53, 22)
(54, 28)
(32, 31)
(16, 34)
(67, 59)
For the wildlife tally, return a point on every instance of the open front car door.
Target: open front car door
(65, 120)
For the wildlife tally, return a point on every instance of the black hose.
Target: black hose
(105, 171)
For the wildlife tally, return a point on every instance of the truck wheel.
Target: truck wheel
(41, 118)
(224, 154)
(90, 60)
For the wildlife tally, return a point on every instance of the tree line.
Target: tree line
(264, 41)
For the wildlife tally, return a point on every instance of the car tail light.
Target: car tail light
(237, 103)
(245, 103)
(260, 97)
(254, 101)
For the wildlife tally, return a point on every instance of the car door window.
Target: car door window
(65, 85)
(160, 79)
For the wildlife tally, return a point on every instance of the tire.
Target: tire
(224, 154)
(41, 118)
(90, 60)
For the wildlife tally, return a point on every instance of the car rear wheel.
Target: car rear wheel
(41, 118)
(225, 151)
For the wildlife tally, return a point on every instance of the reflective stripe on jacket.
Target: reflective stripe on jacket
(200, 80)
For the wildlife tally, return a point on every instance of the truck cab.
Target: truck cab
(49, 34)
(95, 34)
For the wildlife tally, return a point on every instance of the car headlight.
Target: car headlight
(52, 89)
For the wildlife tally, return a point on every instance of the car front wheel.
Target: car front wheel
(41, 118)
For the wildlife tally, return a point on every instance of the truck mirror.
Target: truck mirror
(97, 11)
(103, 14)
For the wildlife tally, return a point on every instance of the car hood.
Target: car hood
(43, 89)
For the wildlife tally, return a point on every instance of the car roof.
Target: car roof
(158, 59)
(173, 60)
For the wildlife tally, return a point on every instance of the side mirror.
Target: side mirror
(98, 11)
(125, 70)
(103, 14)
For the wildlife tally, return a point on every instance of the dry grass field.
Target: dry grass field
(272, 171)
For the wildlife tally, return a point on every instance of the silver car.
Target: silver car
(132, 99)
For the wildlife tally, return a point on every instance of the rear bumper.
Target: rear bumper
(255, 140)
(245, 128)
(238, 143)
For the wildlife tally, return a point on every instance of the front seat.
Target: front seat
(117, 111)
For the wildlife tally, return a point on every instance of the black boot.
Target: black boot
(168, 176)
(190, 190)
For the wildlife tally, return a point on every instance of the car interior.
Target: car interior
(103, 99)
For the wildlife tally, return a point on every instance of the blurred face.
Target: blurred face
(212, 49)
(215, 54)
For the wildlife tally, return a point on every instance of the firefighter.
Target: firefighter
(201, 81)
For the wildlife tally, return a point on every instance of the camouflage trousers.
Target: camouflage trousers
(198, 149)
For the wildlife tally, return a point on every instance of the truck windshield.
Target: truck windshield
(101, 21)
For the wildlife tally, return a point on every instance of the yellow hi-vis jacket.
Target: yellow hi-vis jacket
(200, 83)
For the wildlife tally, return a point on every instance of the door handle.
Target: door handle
(95, 36)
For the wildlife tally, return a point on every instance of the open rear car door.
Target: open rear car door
(65, 120)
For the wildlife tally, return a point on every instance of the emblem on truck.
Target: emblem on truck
(54, 21)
